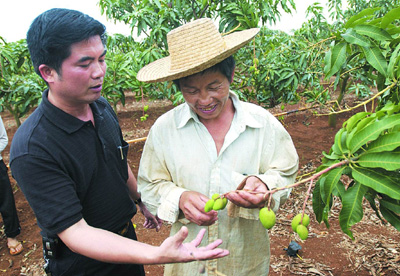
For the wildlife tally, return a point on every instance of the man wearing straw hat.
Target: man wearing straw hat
(214, 144)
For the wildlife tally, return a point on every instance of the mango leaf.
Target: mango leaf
(375, 57)
(393, 205)
(387, 142)
(331, 180)
(352, 210)
(365, 12)
(387, 160)
(390, 17)
(354, 38)
(337, 59)
(332, 156)
(372, 131)
(353, 120)
(391, 217)
(321, 210)
(380, 182)
(339, 147)
(373, 32)
(370, 196)
(394, 60)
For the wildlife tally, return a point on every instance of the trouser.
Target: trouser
(68, 263)
(7, 204)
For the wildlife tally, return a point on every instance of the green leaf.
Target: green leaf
(394, 60)
(331, 179)
(327, 61)
(370, 196)
(376, 59)
(393, 205)
(387, 142)
(353, 120)
(391, 217)
(390, 17)
(359, 15)
(338, 58)
(373, 32)
(372, 131)
(339, 147)
(352, 210)
(321, 210)
(387, 160)
(380, 182)
(354, 38)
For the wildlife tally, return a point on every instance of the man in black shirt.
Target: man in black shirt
(69, 158)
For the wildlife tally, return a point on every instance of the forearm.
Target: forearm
(106, 246)
(132, 185)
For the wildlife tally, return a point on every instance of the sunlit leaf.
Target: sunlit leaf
(380, 182)
(376, 59)
(387, 160)
(372, 131)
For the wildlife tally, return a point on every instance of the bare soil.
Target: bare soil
(375, 250)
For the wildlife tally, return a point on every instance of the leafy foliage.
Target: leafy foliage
(369, 44)
(20, 87)
(369, 145)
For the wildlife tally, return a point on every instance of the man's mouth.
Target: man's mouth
(208, 109)
(96, 87)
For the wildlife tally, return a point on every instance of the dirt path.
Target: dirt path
(375, 250)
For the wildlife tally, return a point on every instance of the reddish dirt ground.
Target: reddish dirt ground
(375, 250)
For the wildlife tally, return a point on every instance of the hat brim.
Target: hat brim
(159, 70)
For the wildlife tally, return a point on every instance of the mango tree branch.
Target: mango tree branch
(363, 103)
(310, 179)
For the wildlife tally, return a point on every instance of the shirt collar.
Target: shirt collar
(242, 116)
(63, 120)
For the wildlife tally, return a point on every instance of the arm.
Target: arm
(109, 247)
(161, 194)
(151, 221)
(3, 136)
(278, 167)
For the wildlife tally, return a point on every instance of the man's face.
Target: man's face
(206, 94)
(82, 73)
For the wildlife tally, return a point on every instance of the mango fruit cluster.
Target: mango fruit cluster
(216, 203)
(301, 228)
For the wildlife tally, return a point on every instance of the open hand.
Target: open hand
(174, 250)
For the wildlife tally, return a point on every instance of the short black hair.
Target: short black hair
(225, 67)
(52, 33)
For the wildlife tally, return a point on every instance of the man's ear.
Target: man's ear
(233, 73)
(48, 73)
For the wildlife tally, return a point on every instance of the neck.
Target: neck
(82, 111)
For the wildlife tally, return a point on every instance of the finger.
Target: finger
(196, 242)
(181, 235)
(210, 254)
(237, 199)
(213, 245)
(253, 199)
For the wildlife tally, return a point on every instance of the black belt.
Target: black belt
(124, 229)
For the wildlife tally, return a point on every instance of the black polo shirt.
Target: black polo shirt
(69, 169)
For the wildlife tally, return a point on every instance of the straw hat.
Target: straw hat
(193, 48)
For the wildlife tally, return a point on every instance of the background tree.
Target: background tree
(20, 86)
